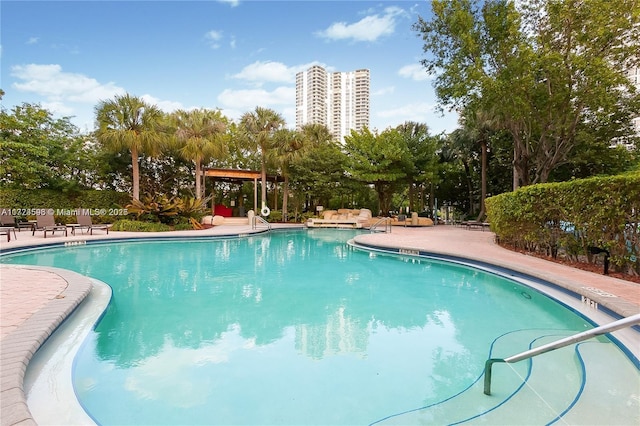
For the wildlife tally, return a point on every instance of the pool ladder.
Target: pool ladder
(261, 221)
(386, 221)
(616, 325)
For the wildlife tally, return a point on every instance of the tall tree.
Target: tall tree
(127, 122)
(258, 129)
(543, 66)
(480, 125)
(291, 145)
(381, 160)
(459, 147)
(40, 151)
(200, 134)
(422, 151)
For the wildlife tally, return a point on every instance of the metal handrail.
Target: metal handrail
(604, 329)
(387, 225)
(261, 220)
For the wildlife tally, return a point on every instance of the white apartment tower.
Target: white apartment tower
(339, 100)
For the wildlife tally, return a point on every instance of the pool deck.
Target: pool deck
(34, 301)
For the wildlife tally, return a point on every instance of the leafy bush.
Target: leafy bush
(158, 208)
(137, 226)
(573, 216)
(171, 211)
(184, 227)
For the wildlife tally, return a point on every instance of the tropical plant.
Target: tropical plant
(290, 146)
(422, 148)
(127, 122)
(380, 160)
(158, 208)
(546, 68)
(258, 129)
(200, 136)
(40, 151)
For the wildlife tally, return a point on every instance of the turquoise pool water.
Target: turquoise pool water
(298, 328)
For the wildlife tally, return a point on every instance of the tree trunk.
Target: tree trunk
(135, 167)
(198, 180)
(285, 199)
(467, 172)
(275, 195)
(411, 197)
(264, 181)
(483, 174)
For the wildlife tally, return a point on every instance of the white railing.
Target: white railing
(386, 221)
(616, 325)
(259, 221)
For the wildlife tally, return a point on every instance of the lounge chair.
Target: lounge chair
(7, 219)
(343, 218)
(6, 230)
(47, 223)
(85, 222)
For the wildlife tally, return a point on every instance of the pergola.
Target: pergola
(235, 176)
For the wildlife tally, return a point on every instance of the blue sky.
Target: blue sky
(232, 55)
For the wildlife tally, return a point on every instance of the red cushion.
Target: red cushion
(222, 210)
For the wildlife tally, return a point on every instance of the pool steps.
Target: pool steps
(524, 393)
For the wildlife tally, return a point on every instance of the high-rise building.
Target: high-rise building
(339, 100)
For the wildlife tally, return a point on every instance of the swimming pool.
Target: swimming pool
(298, 328)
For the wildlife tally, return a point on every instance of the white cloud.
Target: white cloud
(248, 99)
(213, 38)
(32, 40)
(54, 84)
(57, 108)
(414, 72)
(166, 106)
(269, 71)
(234, 103)
(369, 28)
(421, 112)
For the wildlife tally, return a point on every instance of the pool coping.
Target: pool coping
(19, 346)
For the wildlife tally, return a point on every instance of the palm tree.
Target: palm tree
(459, 146)
(480, 125)
(127, 122)
(200, 137)
(290, 146)
(422, 148)
(258, 128)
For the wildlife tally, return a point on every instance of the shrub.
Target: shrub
(138, 226)
(572, 216)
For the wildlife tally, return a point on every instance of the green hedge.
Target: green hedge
(572, 216)
(95, 200)
(137, 226)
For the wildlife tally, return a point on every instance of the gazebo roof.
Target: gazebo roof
(238, 175)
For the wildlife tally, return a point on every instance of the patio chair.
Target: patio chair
(7, 219)
(6, 230)
(84, 221)
(47, 223)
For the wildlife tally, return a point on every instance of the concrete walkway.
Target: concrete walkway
(35, 300)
